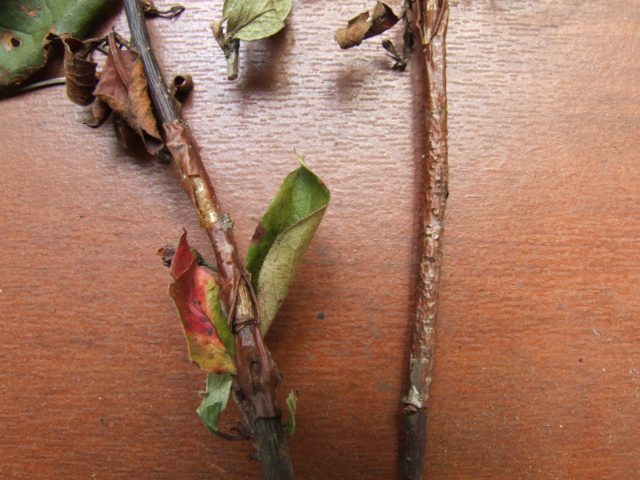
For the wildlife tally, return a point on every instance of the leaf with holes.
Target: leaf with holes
(195, 292)
(281, 238)
(25, 26)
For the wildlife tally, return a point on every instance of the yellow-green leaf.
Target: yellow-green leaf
(292, 406)
(24, 29)
(255, 19)
(281, 238)
(215, 399)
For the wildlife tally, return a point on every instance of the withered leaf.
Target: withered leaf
(366, 25)
(149, 9)
(181, 86)
(100, 111)
(80, 69)
(195, 292)
(123, 87)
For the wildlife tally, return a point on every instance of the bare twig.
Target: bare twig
(431, 17)
(257, 377)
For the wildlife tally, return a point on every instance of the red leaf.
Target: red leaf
(194, 292)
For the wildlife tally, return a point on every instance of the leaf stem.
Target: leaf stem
(431, 18)
(50, 82)
(258, 377)
(232, 54)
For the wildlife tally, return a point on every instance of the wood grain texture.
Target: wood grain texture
(537, 371)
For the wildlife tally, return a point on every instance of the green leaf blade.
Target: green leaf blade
(215, 399)
(285, 231)
(25, 26)
(255, 19)
(263, 26)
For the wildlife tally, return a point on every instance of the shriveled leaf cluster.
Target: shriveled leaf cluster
(25, 28)
(121, 89)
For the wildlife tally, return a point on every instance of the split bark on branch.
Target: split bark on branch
(257, 375)
(431, 18)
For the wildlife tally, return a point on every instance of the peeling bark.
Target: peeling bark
(431, 18)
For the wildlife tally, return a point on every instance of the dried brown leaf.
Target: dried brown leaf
(123, 87)
(149, 9)
(181, 86)
(80, 69)
(366, 25)
(100, 111)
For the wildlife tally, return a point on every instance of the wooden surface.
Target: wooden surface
(538, 363)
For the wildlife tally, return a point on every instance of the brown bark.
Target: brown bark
(257, 375)
(431, 17)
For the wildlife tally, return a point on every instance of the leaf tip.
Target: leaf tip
(300, 159)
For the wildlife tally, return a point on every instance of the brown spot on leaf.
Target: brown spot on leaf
(30, 12)
(8, 41)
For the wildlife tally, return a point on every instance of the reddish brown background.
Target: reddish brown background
(538, 363)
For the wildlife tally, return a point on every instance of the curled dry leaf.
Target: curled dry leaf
(181, 86)
(149, 9)
(123, 89)
(366, 25)
(195, 292)
(80, 69)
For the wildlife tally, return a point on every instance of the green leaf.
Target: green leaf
(255, 19)
(25, 26)
(215, 399)
(292, 405)
(281, 238)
